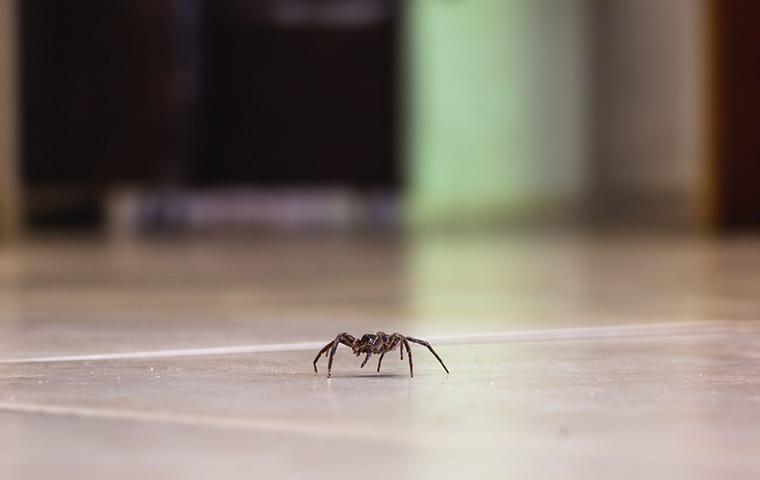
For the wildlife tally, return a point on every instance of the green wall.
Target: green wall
(475, 85)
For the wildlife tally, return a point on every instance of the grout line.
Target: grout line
(184, 352)
(254, 424)
(590, 333)
(332, 430)
(546, 335)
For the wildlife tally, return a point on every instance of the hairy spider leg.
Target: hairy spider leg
(369, 354)
(394, 341)
(380, 361)
(399, 339)
(341, 338)
(409, 352)
(378, 338)
(423, 342)
(330, 359)
(324, 350)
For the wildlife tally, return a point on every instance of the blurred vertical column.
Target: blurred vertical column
(735, 114)
(650, 103)
(497, 132)
(9, 188)
(496, 102)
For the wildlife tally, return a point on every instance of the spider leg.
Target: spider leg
(324, 350)
(346, 339)
(379, 361)
(409, 351)
(335, 343)
(369, 354)
(373, 347)
(397, 339)
(423, 342)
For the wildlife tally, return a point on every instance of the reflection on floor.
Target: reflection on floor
(571, 357)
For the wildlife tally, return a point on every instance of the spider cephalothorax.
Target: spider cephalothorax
(379, 343)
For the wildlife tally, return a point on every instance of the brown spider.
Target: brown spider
(378, 343)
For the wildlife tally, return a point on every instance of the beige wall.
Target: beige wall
(650, 110)
(8, 143)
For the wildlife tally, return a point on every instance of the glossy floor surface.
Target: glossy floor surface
(571, 356)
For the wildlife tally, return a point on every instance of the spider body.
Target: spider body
(370, 344)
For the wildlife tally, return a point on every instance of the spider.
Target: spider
(378, 343)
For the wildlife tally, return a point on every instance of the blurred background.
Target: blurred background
(135, 116)
(185, 175)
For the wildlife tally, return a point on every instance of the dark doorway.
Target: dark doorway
(299, 92)
(737, 113)
(200, 93)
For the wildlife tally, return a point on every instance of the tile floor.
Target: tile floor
(572, 356)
